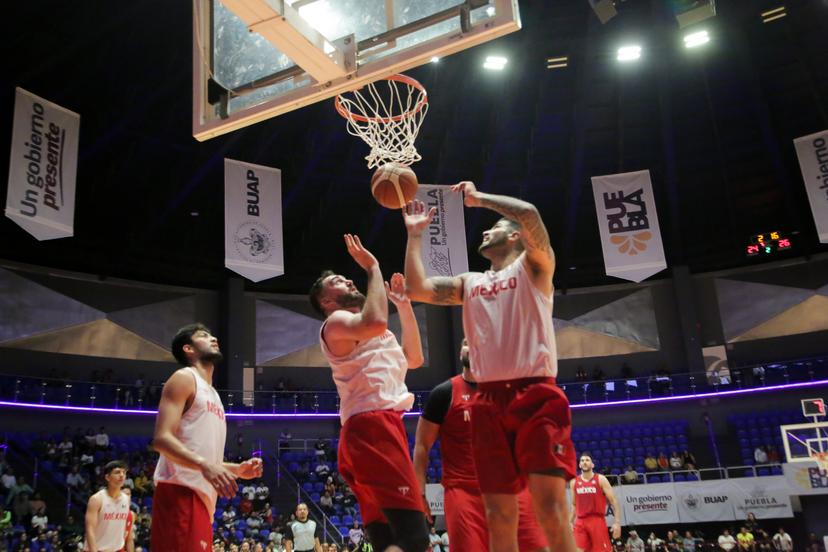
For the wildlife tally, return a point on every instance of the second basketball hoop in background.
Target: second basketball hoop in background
(393, 185)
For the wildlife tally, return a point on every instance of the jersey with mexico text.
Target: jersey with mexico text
(508, 323)
(589, 497)
(112, 521)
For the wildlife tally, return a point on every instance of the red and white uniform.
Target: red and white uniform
(464, 507)
(184, 501)
(521, 419)
(112, 520)
(591, 533)
(373, 447)
(128, 529)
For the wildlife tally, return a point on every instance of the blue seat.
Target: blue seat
(679, 477)
(315, 497)
(762, 472)
(692, 476)
(348, 520)
(344, 531)
(307, 487)
(335, 520)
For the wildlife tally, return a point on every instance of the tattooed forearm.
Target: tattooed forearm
(533, 231)
(446, 290)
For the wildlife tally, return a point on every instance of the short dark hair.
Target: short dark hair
(515, 226)
(315, 293)
(114, 465)
(184, 336)
(588, 455)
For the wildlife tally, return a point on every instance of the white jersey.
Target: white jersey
(202, 430)
(371, 377)
(508, 323)
(112, 521)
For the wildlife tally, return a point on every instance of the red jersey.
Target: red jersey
(589, 497)
(456, 437)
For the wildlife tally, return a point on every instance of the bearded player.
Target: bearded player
(190, 432)
(520, 418)
(447, 415)
(590, 493)
(369, 368)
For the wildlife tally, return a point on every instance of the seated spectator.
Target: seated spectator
(760, 455)
(89, 439)
(102, 439)
(254, 523)
(773, 455)
(689, 543)
(763, 541)
(326, 503)
(349, 502)
(52, 450)
(39, 519)
(8, 480)
(654, 544)
(676, 461)
(20, 488)
(689, 460)
(249, 491)
(356, 535)
(320, 448)
(143, 484)
(630, 476)
(75, 479)
(322, 470)
(129, 483)
(752, 523)
(663, 463)
(329, 486)
(435, 540)
(228, 517)
(5, 521)
(650, 463)
(245, 506)
(37, 502)
(745, 540)
(782, 541)
(267, 514)
(86, 459)
(634, 542)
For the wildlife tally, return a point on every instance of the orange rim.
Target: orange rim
(405, 79)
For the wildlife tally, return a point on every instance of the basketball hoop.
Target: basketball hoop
(387, 118)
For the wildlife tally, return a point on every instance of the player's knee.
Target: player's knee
(551, 509)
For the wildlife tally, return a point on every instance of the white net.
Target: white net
(387, 115)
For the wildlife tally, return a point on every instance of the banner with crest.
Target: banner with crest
(253, 245)
(628, 224)
(444, 242)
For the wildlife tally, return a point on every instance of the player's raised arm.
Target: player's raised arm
(372, 319)
(533, 233)
(440, 290)
(412, 344)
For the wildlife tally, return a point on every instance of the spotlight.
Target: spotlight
(495, 63)
(696, 39)
(557, 62)
(774, 14)
(629, 53)
(490, 11)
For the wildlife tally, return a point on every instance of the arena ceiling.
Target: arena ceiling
(714, 126)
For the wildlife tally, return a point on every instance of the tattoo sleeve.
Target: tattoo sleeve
(446, 290)
(534, 235)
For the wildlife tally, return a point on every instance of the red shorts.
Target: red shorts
(180, 520)
(374, 462)
(520, 427)
(591, 534)
(466, 521)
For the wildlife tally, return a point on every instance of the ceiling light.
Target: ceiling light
(435, 59)
(557, 62)
(496, 63)
(696, 39)
(629, 53)
(774, 14)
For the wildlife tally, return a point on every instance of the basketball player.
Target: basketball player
(107, 514)
(590, 493)
(520, 419)
(190, 431)
(302, 534)
(369, 368)
(447, 415)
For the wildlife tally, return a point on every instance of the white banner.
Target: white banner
(805, 478)
(444, 243)
(812, 152)
(435, 494)
(704, 501)
(767, 497)
(649, 504)
(43, 167)
(628, 224)
(253, 244)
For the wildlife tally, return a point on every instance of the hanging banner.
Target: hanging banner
(704, 501)
(649, 504)
(628, 224)
(805, 478)
(435, 494)
(253, 244)
(43, 167)
(766, 497)
(812, 151)
(444, 249)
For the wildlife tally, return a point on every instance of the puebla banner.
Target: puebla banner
(812, 151)
(43, 167)
(435, 494)
(628, 224)
(767, 497)
(805, 478)
(444, 250)
(253, 245)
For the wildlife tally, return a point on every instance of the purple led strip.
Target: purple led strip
(334, 415)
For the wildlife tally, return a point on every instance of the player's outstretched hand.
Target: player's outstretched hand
(362, 256)
(469, 191)
(222, 479)
(616, 531)
(396, 290)
(416, 218)
(251, 469)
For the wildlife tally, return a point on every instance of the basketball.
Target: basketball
(393, 185)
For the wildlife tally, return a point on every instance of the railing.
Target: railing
(46, 391)
(701, 474)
